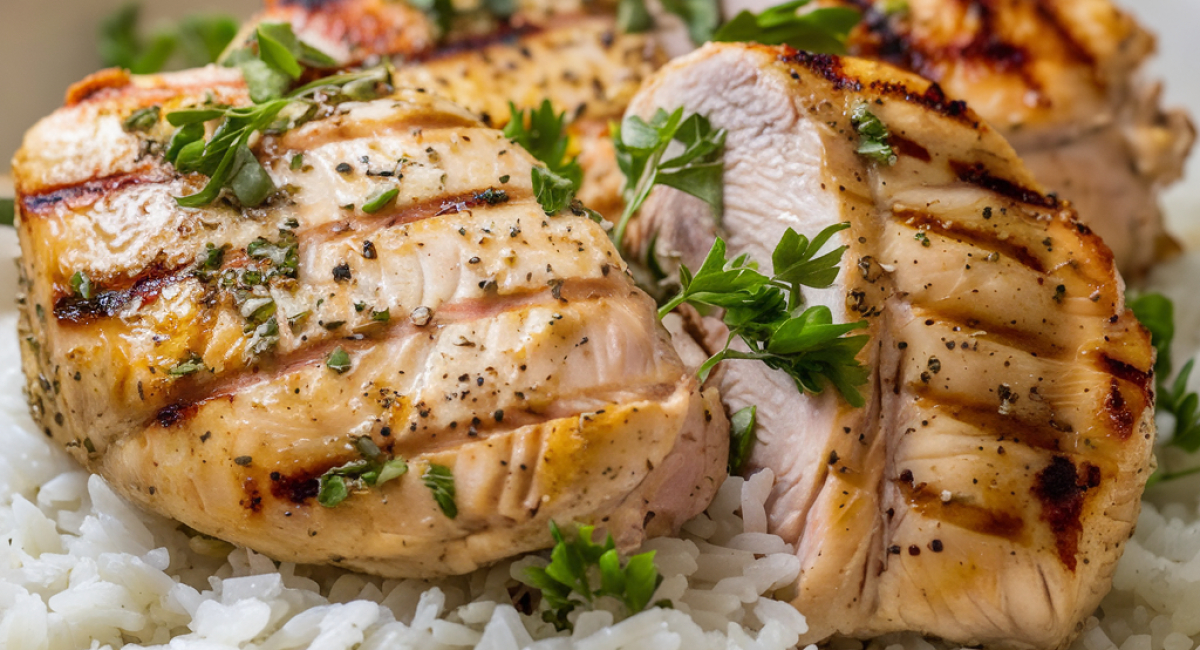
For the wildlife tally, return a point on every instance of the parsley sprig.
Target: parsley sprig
(822, 30)
(373, 469)
(581, 572)
(226, 157)
(642, 149)
(765, 313)
(542, 132)
(440, 480)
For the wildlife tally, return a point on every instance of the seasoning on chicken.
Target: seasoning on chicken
(400, 332)
(1059, 79)
(984, 492)
(570, 53)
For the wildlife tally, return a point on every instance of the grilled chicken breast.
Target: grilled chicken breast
(985, 491)
(457, 327)
(570, 53)
(1060, 80)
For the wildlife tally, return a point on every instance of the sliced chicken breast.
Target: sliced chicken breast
(570, 53)
(1060, 80)
(985, 491)
(214, 363)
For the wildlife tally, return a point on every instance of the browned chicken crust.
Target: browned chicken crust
(985, 491)
(480, 334)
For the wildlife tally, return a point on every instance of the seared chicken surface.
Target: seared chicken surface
(570, 53)
(985, 491)
(1059, 79)
(213, 363)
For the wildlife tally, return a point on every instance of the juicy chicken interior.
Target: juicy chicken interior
(1059, 79)
(478, 334)
(985, 491)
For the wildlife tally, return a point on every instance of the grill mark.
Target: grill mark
(1120, 417)
(927, 501)
(984, 239)
(146, 286)
(986, 417)
(399, 216)
(906, 147)
(1124, 371)
(152, 280)
(1062, 490)
(991, 331)
(978, 175)
(508, 35)
(829, 67)
(86, 192)
(188, 396)
(337, 128)
(1074, 47)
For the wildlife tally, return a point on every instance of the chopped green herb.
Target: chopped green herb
(872, 136)
(379, 200)
(194, 363)
(297, 162)
(765, 313)
(296, 322)
(374, 469)
(142, 119)
(741, 437)
(923, 238)
(822, 30)
(339, 361)
(582, 571)
(440, 481)
(381, 316)
(641, 147)
(8, 212)
(82, 285)
(283, 255)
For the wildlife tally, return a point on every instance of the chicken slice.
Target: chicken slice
(570, 53)
(457, 325)
(1059, 79)
(985, 491)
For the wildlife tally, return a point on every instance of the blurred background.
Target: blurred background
(50, 45)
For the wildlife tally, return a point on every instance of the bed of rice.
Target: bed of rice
(80, 568)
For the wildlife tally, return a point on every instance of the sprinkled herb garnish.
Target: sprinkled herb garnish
(440, 481)
(379, 200)
(582, 571)
(741, 437)
(81, 284)
(194, 363)
(765, 313)
(339, 361)
(872, 136)
(373, 469)
(142, 119)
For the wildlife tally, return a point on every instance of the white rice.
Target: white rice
(80, 568)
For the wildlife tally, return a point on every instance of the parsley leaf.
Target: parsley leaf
(642, 146)
(741, 437)
(440, 480)
(764, 312)
(582, 571)
(542, 133)
(555, 193)
(339, 360)
(1157, 313)
(8, 212)
(822, 30)
(373, 469)
(872, 137)
(194, 363)
(81, 284)
(226, 157)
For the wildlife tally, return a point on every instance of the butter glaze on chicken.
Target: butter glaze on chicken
(986, 490)
(518, 353)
